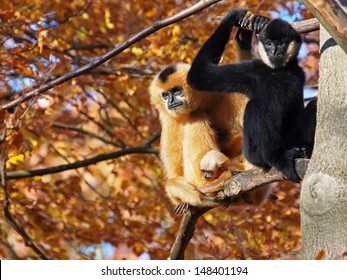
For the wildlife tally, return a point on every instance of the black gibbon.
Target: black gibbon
(193, 123)
(273, 84)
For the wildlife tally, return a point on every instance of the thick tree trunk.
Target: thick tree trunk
(324, 189)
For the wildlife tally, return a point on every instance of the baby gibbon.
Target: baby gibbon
(217, 168)
(214, 164)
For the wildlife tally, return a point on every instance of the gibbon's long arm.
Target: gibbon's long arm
(229, 78)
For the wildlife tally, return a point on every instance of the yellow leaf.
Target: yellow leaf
(208, 217)
(176, 31)
(108, 22)
(252, 243)
(85, 16)
(16, 159)
(100, 223)
(137, 51)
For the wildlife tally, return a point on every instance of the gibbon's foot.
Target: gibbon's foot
(181, 208)
(304, 152)
(272, 197)
(289, 171)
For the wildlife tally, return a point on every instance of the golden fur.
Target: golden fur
(204, 123)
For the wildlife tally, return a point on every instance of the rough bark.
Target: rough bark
(324, 189)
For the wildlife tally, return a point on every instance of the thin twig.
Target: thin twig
(116, 107)
(80, 129)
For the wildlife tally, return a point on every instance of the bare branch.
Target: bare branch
(306, 26)
(143, 149)
(186, 232)
(256, 177)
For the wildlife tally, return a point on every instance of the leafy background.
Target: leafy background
(115, 209)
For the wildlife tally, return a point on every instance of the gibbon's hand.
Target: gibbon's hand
(234, 16)
(243, 38)
(253, 22)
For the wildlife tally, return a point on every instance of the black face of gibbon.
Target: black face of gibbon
(173, 97)
(273, 84)
(278, 43)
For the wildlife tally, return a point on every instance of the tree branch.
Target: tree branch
(80, 129)
(143, 149)
(186, 232)
(202, 4)
(256, 177)
(306, 26)
(332, 16)
(234, 187)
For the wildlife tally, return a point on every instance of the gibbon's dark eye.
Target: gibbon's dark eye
(177, 91)
(268, 43)
(165, 95)
(221, 168)
(279, 43)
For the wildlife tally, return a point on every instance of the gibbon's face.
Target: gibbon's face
(213, 164)
(169, 93)
(173, 98)
(278, 44)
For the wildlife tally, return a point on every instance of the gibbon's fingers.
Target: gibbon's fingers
(255, 23)
(245, 21)
(259, 23)
(247, 16)
(181, 208)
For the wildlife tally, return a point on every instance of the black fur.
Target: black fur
(275, 95)
(305, 128)
(164, 75)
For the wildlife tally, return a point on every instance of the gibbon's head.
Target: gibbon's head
(170, 93)
(278, 43)
(213, 164)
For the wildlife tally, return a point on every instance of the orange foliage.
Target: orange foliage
(116, 208)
